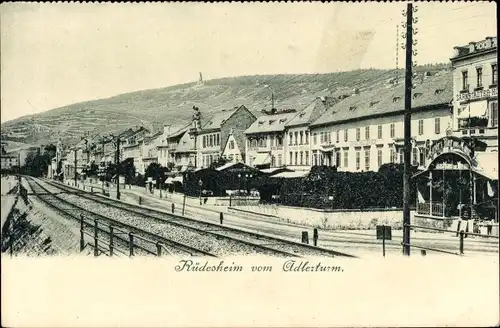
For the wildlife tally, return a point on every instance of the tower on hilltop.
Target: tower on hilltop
(200, 79)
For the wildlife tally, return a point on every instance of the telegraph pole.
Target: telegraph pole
(117, 167)
(76, 174)
(407, 129)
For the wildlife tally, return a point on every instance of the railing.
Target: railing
(109, 245)
(433, 209)
(460, 233)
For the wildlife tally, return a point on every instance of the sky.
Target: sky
(55, 54)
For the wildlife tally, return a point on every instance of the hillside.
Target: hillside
(172, 105)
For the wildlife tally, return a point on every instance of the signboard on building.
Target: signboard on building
(451, 145)
(479, 94)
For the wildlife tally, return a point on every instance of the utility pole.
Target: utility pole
(117, 155)
(407, 129)
(76, 174)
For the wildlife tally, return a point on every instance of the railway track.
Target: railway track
(121, 244)
(266, 242)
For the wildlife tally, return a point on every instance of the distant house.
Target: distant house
(9, 161)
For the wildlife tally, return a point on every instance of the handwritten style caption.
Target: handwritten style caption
(221, 266)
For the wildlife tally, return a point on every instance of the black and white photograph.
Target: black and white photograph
(201, 136)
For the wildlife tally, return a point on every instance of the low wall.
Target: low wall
(333, 219)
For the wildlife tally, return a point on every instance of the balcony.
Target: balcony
(433, 209)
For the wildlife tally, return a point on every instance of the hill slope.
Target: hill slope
(172, 105)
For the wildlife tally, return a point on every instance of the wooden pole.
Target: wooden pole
(407, 129)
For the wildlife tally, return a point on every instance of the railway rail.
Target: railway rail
(265, 242)
(121, 244)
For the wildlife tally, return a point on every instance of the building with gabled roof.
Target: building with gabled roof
(265, 140)
(214, 135)
(365, 130)
(297, 145)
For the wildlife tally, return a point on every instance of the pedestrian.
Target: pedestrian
(205, 200)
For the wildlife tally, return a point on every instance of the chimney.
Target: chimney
(166, 130)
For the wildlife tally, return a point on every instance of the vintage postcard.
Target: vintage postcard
(249, 164)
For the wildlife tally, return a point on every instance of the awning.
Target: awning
(262, 159)
(487, 165)
(271, 170)
(295, 174)
(169, 180)
(179, 179)
(474, 109)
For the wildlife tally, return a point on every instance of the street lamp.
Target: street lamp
(200, 183)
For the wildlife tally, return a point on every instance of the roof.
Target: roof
(383, 100)
(270, 123)
(312, 111)
(294, 174)
(186, 144)
(179, 132)
(477, 47)
(216, 121)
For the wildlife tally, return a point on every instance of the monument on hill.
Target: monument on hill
(200, 80)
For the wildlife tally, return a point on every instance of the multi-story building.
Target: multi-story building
(265, 140)
(297, 134)
(9, 161)
(162, 146)
(365, 130)
(475, 103)
(149, 149)
(184, 152)
(213, 137)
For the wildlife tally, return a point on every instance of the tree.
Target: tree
(127, 169)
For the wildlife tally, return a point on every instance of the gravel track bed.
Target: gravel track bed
(278, 245)
(216, 245)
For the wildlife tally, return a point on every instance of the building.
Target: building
(162, 146)
(264, 147)
(149, 149)
(214, 135)
(181, 145)
(475, 103)
(131, 146)
(365, 130)
(297, 135)
(9, 161)
(460, 179)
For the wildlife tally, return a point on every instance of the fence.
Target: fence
(460, 233)
(105, 237)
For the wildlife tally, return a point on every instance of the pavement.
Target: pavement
(355, 242)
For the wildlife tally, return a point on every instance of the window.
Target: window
(204, 141)
(307, 157)
(392, 127)
(479, 75)
(391, 156)
(401, 156)
(494, 114)
(279, 141)
(290, 159)
(338, 136)
(236, 158)
(211, 142)
(437, 125)
(271, 140)
(338, 159)
(296, 158)
(465, 80)
(415, 156)
(280, 163)
(421, 152)
(346, 159)
(367, 159)
(273, 161)
(315, 159)
(301, 158)
(358, 134)
(420, 127)
(357, 160)
(290, 136)
(296, 135)
(231, 144)
(379, 157)
(218, 140)
(367, 132)
(301, 137)
(494, 72)
(345, 135)
(307, 137)
(315, 138)
(379, 132)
